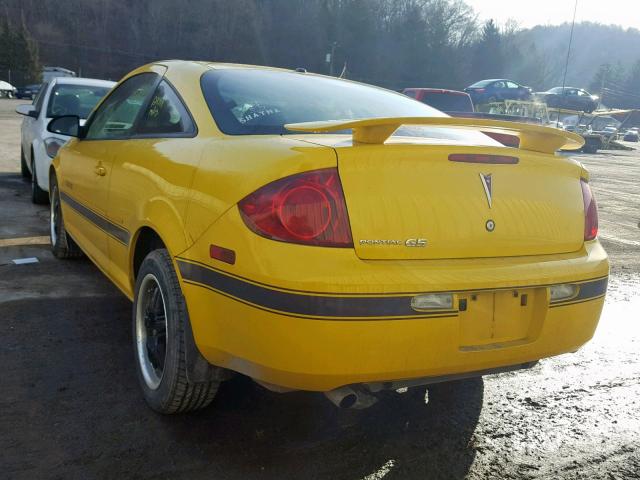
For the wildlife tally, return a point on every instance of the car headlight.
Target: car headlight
(52, 145)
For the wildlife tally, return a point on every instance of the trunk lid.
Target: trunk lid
(409, 201)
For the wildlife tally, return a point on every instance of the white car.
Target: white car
(61, 96)
(7, 90)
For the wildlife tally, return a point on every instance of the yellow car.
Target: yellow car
(319, 234)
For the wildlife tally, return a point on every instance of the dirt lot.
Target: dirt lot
(70, 405)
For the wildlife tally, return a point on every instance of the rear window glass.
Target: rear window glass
(448, 102)
(74, 100)
(258, 102)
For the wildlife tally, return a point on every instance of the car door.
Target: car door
(498, 90)
(513, 91)
(584, 100)
(152, 173)
(31, 126)
(86, 165)
(572, 100)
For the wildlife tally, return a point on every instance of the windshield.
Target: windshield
(259, 102)
(448, 102)
(74, 100)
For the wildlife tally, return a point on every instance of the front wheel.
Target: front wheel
(62, 245)
(24, 168)
(159, 321)
(38, 195)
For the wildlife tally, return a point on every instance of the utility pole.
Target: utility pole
(604, 77)
(329, 57)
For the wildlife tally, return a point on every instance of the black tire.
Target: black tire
(62, 245)
(160, 357)
(38, 195)
(24, 168)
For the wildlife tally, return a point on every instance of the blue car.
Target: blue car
(28, 91)
(497, 89)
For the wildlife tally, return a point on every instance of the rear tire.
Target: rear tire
(62, 245)
(24, 168)
(38, 195)
(160, 319)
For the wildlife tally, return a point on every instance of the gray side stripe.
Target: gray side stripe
(116, 231)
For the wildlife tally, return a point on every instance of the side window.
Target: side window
(39, 100)
(499, 85)
(166, 114)
(512, 85)
(116, 116)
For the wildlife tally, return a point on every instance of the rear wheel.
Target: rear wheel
(38, 195)
(24, 168)
(62, 245)
(160, 319)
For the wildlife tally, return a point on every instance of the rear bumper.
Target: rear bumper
(318, 339)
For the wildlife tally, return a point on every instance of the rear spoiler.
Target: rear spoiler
(535, 138)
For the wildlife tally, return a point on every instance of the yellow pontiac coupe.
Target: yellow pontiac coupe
(325, 235)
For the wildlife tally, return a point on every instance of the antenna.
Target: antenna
(566, 65)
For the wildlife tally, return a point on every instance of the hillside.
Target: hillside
(593, 45)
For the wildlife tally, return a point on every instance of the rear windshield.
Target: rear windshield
(74, 100)
(257, 102)
(448, 102)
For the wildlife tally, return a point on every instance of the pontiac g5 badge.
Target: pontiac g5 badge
(486, 183)
(409, 242)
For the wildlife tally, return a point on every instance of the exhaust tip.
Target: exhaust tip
(348, 401)
(347, 397)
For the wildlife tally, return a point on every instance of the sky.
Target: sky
(527, 13)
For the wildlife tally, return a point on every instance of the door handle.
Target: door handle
(101, 171)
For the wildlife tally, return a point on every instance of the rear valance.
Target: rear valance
(377, 130)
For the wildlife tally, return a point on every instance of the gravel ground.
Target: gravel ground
(70, 405)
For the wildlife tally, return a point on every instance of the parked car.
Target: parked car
(631, 136)
(61, 96)
(569, 98)
(28, 91)
(448, 101)
(49, 73)
(497, 89)
(7, 90)
(270, 222)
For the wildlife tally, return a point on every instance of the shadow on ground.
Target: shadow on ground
(73, 409)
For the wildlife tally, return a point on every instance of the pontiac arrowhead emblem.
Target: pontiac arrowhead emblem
(486, 183)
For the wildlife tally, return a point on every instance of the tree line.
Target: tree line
(19, 60)
(392, 43)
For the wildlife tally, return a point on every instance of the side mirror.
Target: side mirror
(27, 110)
(68, 125)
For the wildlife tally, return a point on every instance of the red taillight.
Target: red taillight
(308, 208)
(590, 212)
(480, 90)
